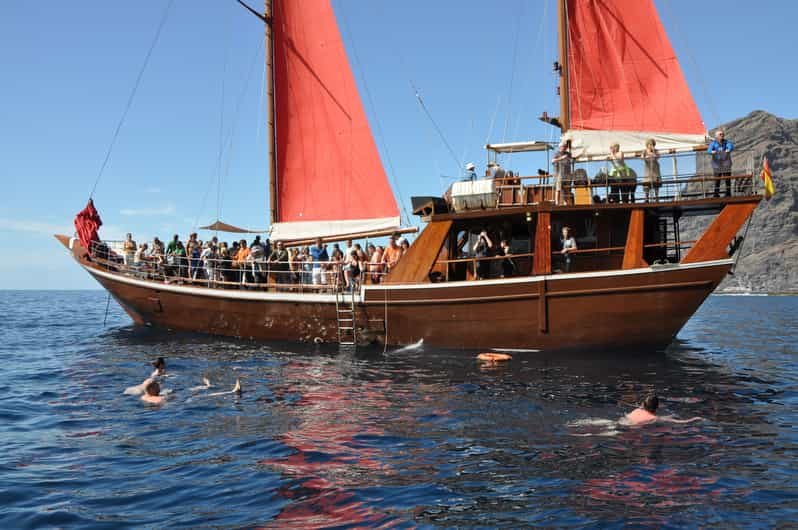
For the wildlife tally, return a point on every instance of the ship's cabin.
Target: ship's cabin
(618, 222)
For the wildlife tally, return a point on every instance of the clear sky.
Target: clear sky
(69, 67)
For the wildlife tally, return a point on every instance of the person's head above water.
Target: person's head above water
(153, 389)
(159, 364)
(651, 403)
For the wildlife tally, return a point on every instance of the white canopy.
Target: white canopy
(594, 144)
(519, 147)
(313, 229)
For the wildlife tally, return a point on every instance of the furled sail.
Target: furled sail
(330, 180)
(625, 82)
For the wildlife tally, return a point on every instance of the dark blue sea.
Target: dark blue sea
(415, 438)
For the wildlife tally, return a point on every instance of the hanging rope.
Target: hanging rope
(739, 251)
(132, 97)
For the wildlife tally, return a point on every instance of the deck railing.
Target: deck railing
(225, 274)
(683, 177)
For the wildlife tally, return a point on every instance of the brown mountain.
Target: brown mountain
(769, 258)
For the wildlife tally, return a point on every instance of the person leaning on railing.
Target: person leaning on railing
(720, 148)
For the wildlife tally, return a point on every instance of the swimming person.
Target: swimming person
(645, 413)
(152, 393)
(160, 367)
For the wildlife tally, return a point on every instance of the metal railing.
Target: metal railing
(226, 273)
(682, 177)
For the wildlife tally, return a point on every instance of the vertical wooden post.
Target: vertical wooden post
(542, 259)
(270, 113)
(633, 253)
(562, 25)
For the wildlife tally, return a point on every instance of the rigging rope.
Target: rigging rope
(132, 97)
(377, 123)
(512, 69)
(438, 129)
(707, 96)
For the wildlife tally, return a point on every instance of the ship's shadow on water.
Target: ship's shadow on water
(325, 437)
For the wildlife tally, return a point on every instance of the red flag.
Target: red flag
(87, 222)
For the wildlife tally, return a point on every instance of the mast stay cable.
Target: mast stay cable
(377, 123)
(437, 128)
(131, 97)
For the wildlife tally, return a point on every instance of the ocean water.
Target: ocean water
(417, 438)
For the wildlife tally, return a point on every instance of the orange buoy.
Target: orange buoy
(494, 357)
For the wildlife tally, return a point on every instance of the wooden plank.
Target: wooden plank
(713, 242)
(542, 259)
(415, 266)
(543, 308)
(633, 252)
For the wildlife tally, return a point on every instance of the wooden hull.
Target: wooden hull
(588, 311)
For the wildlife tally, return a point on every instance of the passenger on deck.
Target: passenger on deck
(294, 265)
(141, 257)
(195, 263)
(375, 263)
(319, 255)
(351, 270)
(278, 263)
(508, 265)
(621, 189)
(240, 261)
(495, 171)
(306, 271)
(208, 259)
(228, 274)
(129, 248)
(567, 246)
(392, 253)
(334, 272)
(652, 180)
(157, 252)
(720, 149)
(404, 245)
(470, 174)
(483, 249)
(563, 164)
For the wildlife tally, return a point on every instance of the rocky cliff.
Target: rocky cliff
(769, 259)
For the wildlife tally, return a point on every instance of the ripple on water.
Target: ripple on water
(417, 437)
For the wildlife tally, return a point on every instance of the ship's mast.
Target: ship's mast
(562, 30)
(270, 113)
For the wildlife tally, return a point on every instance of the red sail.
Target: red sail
(624, 75)
(329, 175)
(87, 222)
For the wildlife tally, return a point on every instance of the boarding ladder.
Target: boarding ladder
(345, 317)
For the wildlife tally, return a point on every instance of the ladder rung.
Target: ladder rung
(345, 327)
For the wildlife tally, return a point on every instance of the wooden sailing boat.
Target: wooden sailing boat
(633, 281)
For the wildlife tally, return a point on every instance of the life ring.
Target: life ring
(494, 357)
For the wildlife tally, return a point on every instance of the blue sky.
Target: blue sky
(69, 67)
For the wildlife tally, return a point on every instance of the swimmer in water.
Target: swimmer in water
(160, 367)
(646, 413)
(152, 394)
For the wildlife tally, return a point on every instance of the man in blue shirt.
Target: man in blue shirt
(319, 254)
(470, 173)
(720, 148)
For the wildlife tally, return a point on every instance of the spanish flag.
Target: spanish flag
(767, 179)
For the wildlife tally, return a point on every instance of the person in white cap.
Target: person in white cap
(470, 174)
